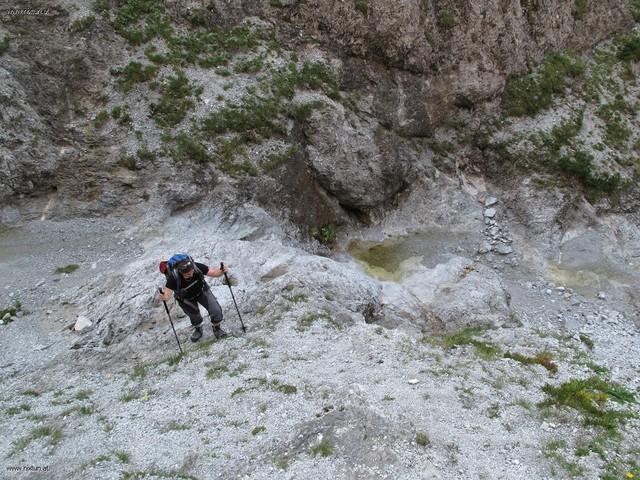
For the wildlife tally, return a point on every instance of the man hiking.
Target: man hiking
(186, 280)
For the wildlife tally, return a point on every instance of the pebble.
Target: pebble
(601, 295)
(485, 247)
(503, 249)
(490, 201)
(413, 381)
(547, 291)
(490, 212)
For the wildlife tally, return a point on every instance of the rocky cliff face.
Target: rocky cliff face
(406, 66)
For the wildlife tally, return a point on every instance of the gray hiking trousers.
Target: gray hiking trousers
(208, 301)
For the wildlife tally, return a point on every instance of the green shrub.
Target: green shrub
(251, 65)
(130, 396)
(83, 394)
(133, 73)
(274, 160)
(211, 48)
(287, 389)
(325, 234)
(254, 117)
(422, 439)
(175, 101)
(446, 19)
(123, 457)
(24, 407)
(12, 311)
(323, 448)
(616, 133)
(53, 434)
(629, 49)
(151, 12)
(226, 154)
(543, 358)
(82, 23)
(116, 112)
(304, 323)
(361, 6)
(200, 17)
(563, 133)
(580, 8)
(174, 426)
(189, 149)
(129, 162)
(145, 155)
(528, 94)
(101, 119)
(580, 166)
(67, 268)
(635, 10)
(466, 336)
(318, 76)
(303, 111)
(589, 396)
(586, 340)
(4, 44)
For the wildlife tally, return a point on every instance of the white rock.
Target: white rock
(547, 291)
(503, 249)
(485, 247)
(490, 212)
(601, 295)
(81, 323)
(413, 381)
(490, 201)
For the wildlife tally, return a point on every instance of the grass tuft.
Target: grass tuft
(423, 439)
(53, 434)
(4, 44)
(67, 268)
(133, 73)
(323, 448)
(175, 101)
(589, 397)
(543, 358)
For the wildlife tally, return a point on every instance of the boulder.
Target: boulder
(451, 296)
(358, 162)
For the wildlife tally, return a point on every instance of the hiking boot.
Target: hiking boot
(219, 332)
(197, 334)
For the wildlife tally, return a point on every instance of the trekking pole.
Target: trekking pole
(234, 298)
(171, 321)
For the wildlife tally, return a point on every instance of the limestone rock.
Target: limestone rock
(82, 323)
(359, 164)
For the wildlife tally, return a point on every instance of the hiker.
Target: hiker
(186, 280)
